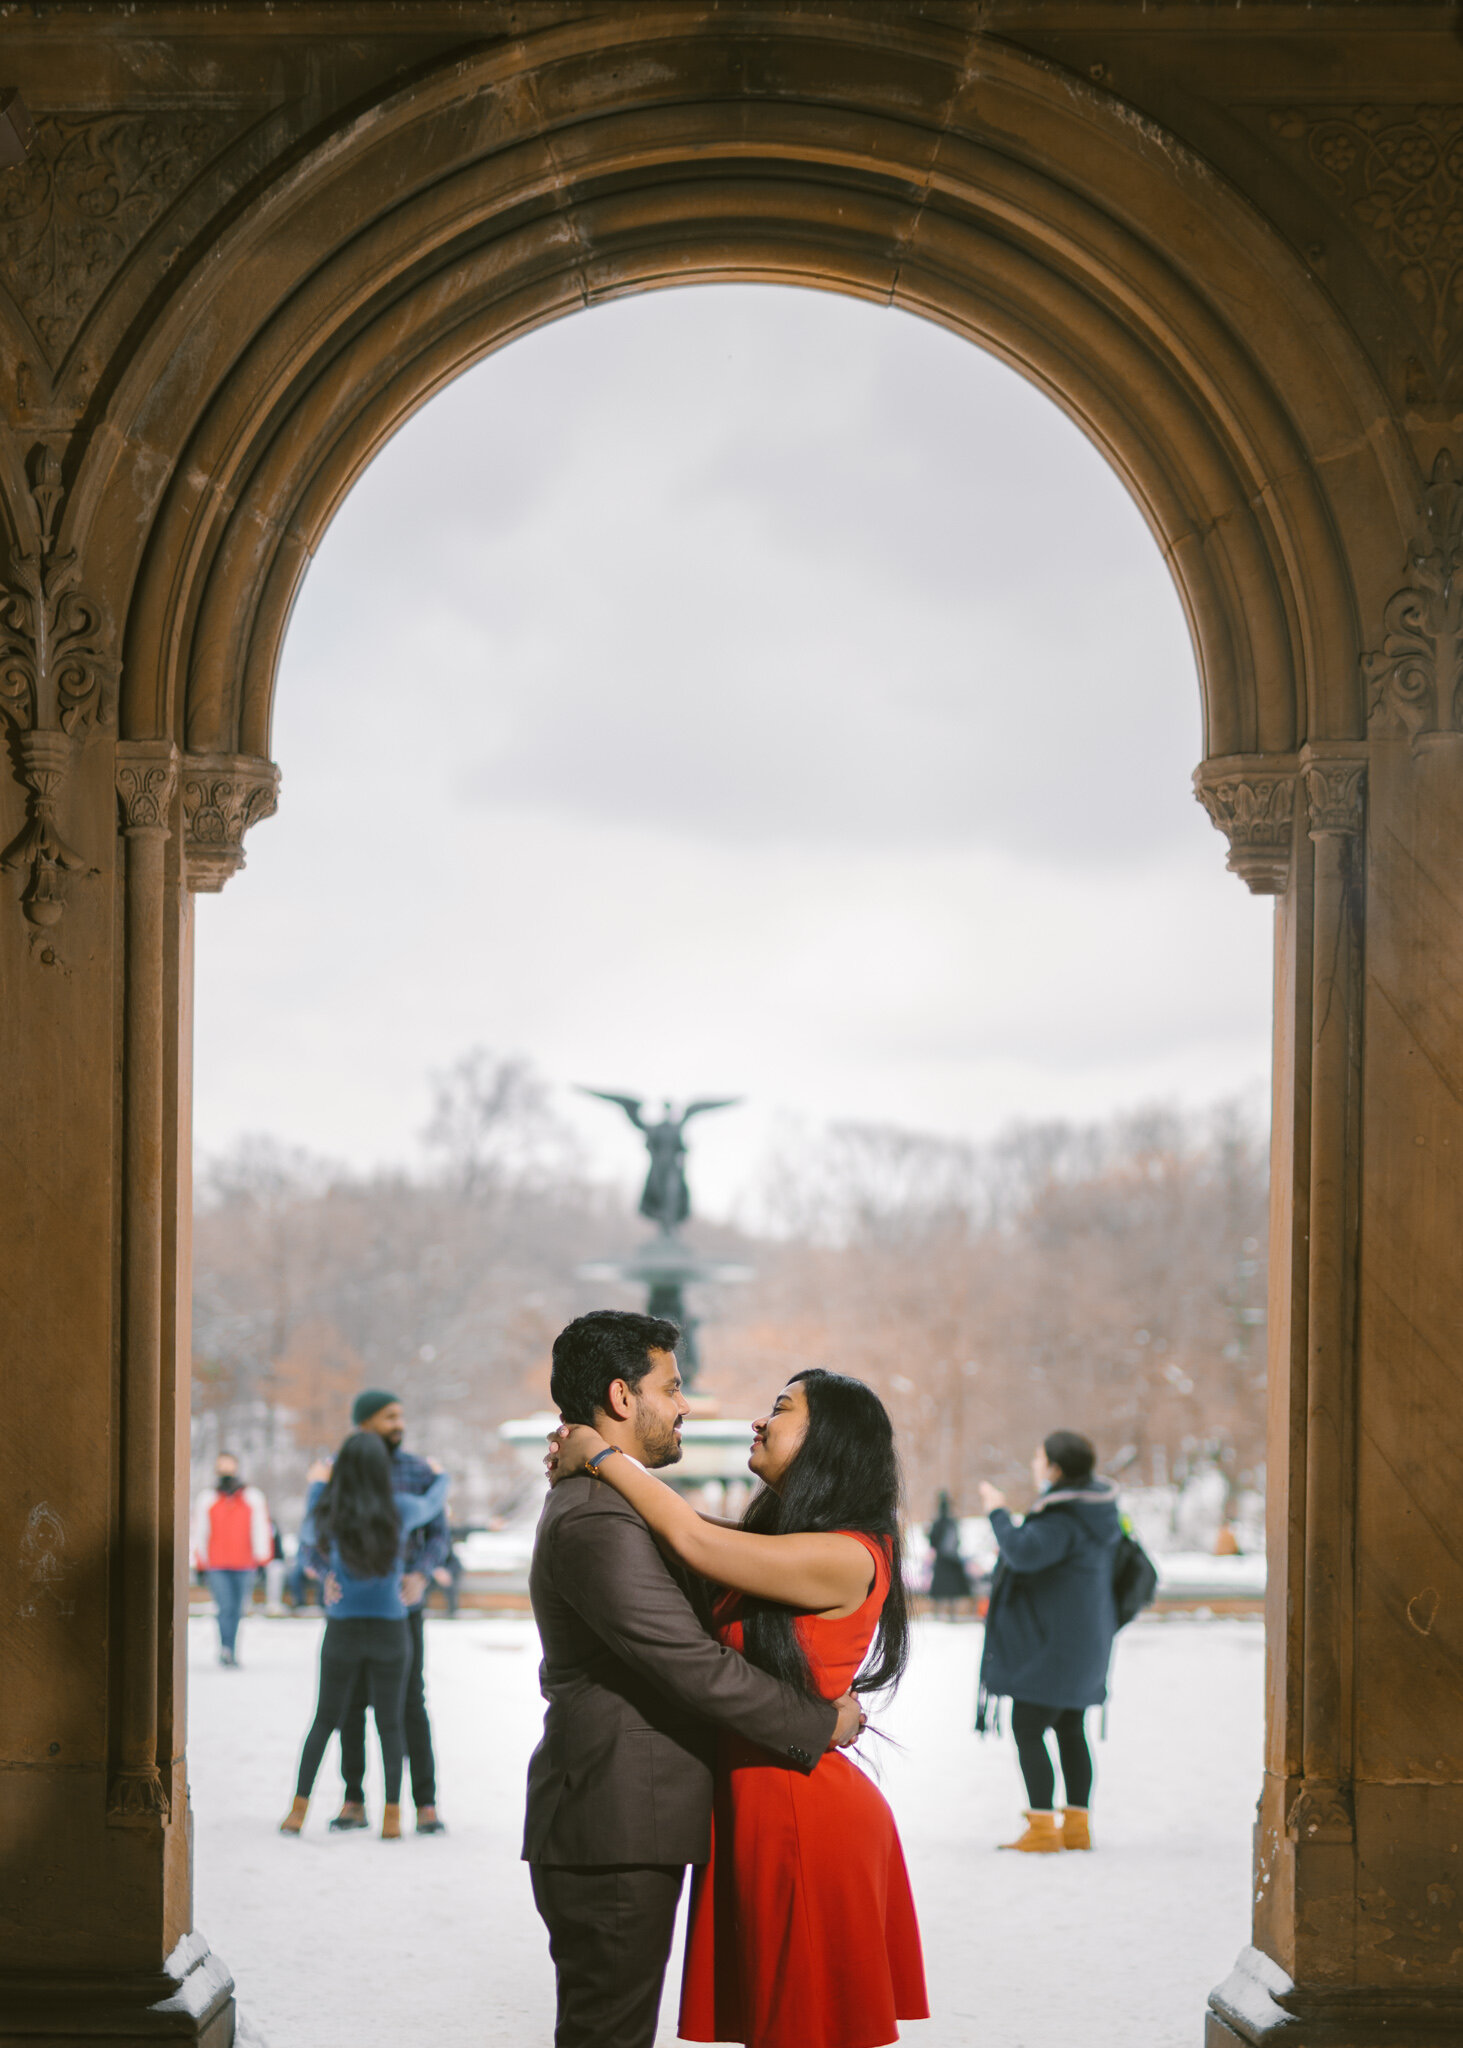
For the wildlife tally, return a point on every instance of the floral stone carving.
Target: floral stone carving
(223, 795)
(1251, 800)
(56, 685)
(137, 1796)
(1321, 1813)
(1334, 796)
(90, 189)
(1414, 678)
(1399, 172)
(147, 775)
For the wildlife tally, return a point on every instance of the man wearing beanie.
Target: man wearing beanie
(427, 1551)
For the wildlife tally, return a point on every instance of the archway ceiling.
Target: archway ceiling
(312, 264)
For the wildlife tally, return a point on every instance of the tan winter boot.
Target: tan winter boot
(1041, 1838)
(294, 1820)
(391, 1823)
(1075, 1831)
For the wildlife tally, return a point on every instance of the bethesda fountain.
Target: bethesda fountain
(714, 1449)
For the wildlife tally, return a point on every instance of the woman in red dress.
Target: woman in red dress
(802, 1931)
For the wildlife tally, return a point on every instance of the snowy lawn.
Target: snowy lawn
(351, 1942)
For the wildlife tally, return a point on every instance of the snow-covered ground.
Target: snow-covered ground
(351, 1942)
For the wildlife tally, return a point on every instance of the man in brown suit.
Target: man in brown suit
(619, 1789)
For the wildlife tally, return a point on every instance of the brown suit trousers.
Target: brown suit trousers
(610, 1931)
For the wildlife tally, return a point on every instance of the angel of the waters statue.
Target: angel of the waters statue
(666, 1199)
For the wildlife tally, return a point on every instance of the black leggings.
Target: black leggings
(1029, 1724)
(378, 1653)
(418, 1729)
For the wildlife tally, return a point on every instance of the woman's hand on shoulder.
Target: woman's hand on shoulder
(571, 1449)
(321, 1470)
(991, 1496)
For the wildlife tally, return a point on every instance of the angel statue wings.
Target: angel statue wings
(666, 1199)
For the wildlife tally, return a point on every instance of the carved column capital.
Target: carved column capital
(1415, 679)
(137, 1798)
(1321, 1813)
(223, 795)
(1335, 782)
(147, 774)
(1251, 799)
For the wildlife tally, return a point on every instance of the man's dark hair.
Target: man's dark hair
(608, 1344)
(1074, 1454)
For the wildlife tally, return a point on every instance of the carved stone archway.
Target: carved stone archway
(247, 243)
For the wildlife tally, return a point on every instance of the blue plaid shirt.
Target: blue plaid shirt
(426, 1549)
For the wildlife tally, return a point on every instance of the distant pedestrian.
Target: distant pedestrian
(300, 1583)
(949, 1580)
(274, 1572)
(357, 1528)
(1049, 1632)
(426, 1554)
(231, 1540)
(448, 1578)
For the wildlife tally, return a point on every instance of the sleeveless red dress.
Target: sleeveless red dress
(802, 1931)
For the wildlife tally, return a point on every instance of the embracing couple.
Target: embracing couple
(701, 1677)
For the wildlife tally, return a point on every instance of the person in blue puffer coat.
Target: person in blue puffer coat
(354, 1537)
(1050, 1628)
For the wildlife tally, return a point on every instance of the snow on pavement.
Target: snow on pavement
(351, 1942)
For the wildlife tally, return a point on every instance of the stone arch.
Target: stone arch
(1221, 443)
(354, 215)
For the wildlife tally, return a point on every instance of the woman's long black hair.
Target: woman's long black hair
(357, 1511)
(845, 1476)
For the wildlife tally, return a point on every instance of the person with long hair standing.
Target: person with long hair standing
(355, 1530)
(802, 1930)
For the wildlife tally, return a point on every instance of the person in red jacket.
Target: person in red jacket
(231, 1540)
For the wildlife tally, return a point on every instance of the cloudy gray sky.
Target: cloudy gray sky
(733, 690)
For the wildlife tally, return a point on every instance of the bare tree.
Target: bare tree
(1108, 1276)
(492, 1125)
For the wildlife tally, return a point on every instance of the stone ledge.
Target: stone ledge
(191, 1999)
(1257, 2005)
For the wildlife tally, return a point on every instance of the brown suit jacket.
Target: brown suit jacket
(636, 1686)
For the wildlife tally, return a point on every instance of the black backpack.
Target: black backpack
(1134, 1579)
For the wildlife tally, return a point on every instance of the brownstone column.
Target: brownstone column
(95, 1897)
(146, 777)
(1358, 1918)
